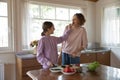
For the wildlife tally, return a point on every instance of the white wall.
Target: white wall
(9, 57)
(115, 55)
(90, 22)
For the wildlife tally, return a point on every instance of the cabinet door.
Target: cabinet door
(24, 65)
(87, 57)
(26, 78)
(104, 58)
(25, 69)
(30, 62)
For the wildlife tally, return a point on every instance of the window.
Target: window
(60, 16)
(111, 28)
(5, 35)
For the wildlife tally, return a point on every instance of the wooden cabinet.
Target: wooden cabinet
(101, 57)
(25, 64)
(87, 57)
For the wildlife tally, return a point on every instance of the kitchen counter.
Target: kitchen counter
(95, 50)
(29, 54)
(26, 56)
(26, 61)
(101, 73)
(100, 55)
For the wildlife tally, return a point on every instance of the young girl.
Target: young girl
(76, 41)
(47, 46)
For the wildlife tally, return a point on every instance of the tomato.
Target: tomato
(67, 69)
(72, 69)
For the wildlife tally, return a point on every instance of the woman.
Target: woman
(76, 41)
(47, 46)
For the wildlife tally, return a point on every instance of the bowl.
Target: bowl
(55, 69)
(68, 73)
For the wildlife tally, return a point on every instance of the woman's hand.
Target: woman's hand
(74, 54)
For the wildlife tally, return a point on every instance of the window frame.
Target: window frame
(10, 31)
(24, 47)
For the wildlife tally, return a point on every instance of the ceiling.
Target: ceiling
(92, 0)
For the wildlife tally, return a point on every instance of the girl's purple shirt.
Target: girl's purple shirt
(47, 49)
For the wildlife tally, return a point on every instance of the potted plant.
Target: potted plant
(34, 44)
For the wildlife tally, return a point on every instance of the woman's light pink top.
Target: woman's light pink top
(76, 40)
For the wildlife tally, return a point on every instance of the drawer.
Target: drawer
(25, 69)
(30, 62)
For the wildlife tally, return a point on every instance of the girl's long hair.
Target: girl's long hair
(46, 25)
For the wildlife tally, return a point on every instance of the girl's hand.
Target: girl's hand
(50, 64)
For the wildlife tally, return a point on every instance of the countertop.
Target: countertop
(95, 51)
(25, 55)
(29, 54)
(102, 73)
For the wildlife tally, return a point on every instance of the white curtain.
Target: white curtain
(25, 19)
(111, 27)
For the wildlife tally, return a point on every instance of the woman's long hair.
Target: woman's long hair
(46, 25)
(81, 18)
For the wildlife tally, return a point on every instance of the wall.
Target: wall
(9, 57)
(90, 21)
(115, 55)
